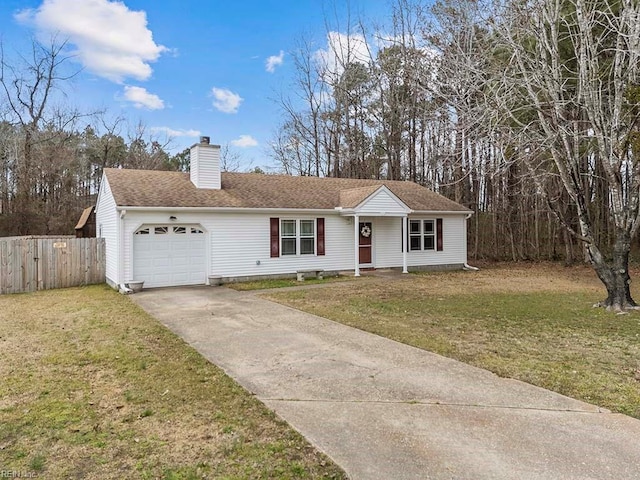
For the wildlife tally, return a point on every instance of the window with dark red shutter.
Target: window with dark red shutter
(275, 237)
(320, 236)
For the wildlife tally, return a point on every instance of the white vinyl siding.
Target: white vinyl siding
(238, 244)
(240, 241)
(204, 171)
(388, 243)
(107, 222)
(382, 201)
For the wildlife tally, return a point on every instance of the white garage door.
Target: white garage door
(168, 255)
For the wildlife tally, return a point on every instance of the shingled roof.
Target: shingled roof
(151, 188)
(84, 218)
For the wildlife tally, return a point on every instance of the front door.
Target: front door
(366, 232)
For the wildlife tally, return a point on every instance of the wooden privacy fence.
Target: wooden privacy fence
(28, 264)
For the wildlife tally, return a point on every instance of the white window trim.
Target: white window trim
(298, 237)
(422, 235)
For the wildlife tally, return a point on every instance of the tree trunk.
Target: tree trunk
(615, 276)
(568, 248)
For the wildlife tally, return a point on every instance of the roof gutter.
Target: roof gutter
(221, 209)
(444, 212)
(338, 210)
(355, 211)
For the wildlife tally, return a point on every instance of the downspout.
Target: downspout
(356, 242)
(121, 250)
(466, 266)
(405, 247)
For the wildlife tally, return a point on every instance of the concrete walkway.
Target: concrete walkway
(384, 410)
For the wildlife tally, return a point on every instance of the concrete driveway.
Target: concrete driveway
(384, 410)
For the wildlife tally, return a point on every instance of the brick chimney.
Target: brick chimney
(205, 164)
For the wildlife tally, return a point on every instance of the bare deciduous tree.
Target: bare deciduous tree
(568, 81)
(29, 85)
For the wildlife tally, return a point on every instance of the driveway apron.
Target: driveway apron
(385, 410)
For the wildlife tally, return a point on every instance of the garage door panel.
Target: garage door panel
(179, 256)
(181, 279)
(161, 262)
(169, 259)
(161, 244)
(161, 278)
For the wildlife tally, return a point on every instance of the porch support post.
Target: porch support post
(405, 220)
(356, 245)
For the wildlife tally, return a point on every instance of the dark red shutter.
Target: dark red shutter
(320, 236)
(275, 237)
(439, 234)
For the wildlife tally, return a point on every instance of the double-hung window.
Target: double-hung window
(307, 237)
(422, 235)
(288, 234)
(297, 237)
(428, 235)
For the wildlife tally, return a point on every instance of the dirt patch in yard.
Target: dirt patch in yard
(515, 278)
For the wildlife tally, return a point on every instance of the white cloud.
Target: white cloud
(244, 141)
(142, 99)
(342, 49)
(110, 40)
(225, 100)
(170, 132)
(274, 61)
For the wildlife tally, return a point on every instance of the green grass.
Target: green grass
(284, 282)
(92, 387)
(531, 326)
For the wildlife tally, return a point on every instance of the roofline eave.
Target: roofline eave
(325, 211)
(139, 208)
(444, 212)
(351, 212)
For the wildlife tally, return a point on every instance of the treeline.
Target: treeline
(44, 192)
(525, 112)
(419, 99)
(52, 156)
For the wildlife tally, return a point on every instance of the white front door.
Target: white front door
(169, 255)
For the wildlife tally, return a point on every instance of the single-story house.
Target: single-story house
(174, 228)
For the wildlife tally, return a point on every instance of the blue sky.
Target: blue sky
(184, 68)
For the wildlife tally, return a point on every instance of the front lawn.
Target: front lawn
(535, 323)
(94, 388)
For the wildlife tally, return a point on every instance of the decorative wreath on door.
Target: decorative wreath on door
(365, 231)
